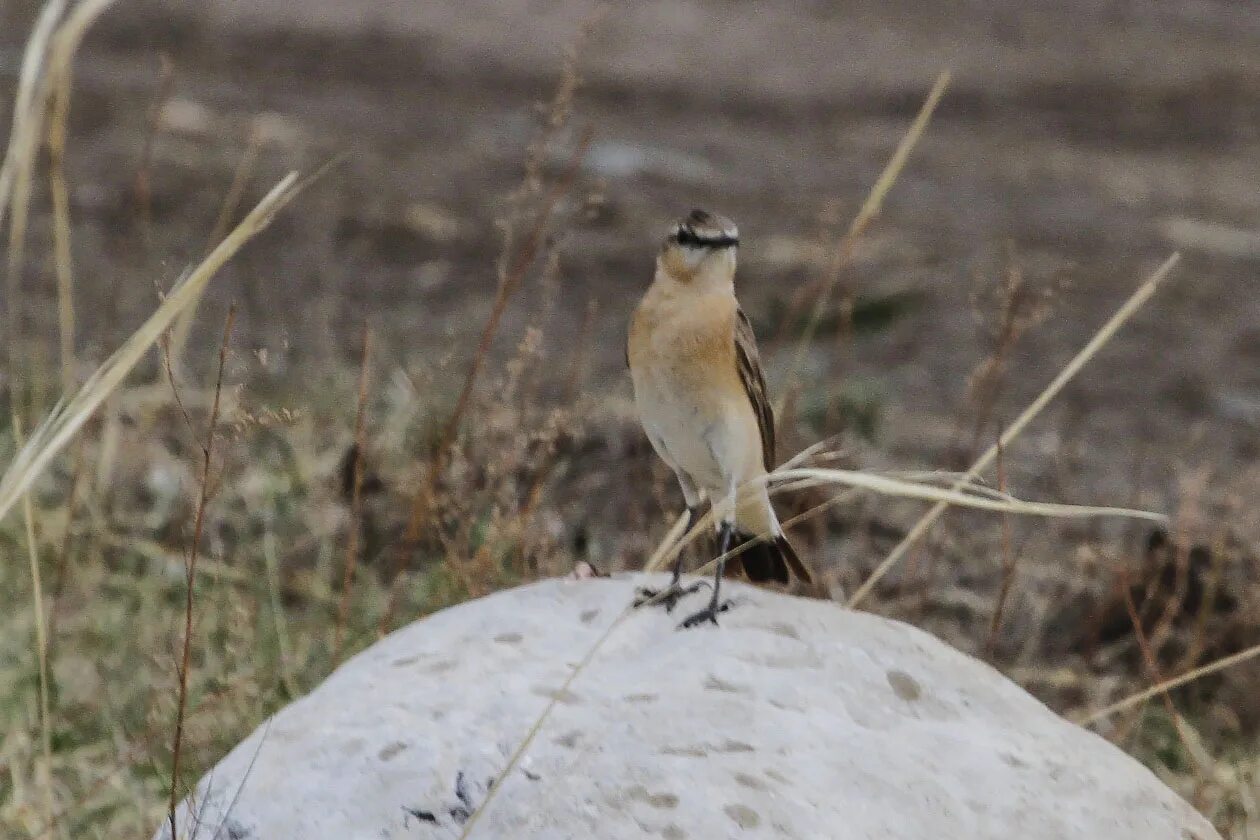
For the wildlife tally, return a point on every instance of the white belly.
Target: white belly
(698, 430)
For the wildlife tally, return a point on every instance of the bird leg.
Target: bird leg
(716, 605)
(670, 595)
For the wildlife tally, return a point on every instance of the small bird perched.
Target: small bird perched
(702, 400)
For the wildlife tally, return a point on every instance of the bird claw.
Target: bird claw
(709, 613)
(669, 596)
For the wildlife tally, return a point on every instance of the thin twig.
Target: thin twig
(191, 572)
(356, 499)
(164, 344)
(1198, 636)
(422, 503)
(1152, 664)
(1132, 305)
(1008, 555)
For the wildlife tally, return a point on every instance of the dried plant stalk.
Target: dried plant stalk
(70, 414)
(1100, 339)
(203, 498)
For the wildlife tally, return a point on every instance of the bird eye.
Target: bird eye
(686, 236)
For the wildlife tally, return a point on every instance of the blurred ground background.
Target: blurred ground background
(1074, 149)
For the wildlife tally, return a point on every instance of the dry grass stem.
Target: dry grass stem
(802, 478)
(1008, 557)
(78, 478)
(1169, 684)
(820, 450)
(422, 504)
(1100, 339)
(869, 210)
(61, 75)
(70, 414)
(271, 564)
(1152, 666)
(17, 171)
(41, 646)
(657, 560)
(191, 573)
(231, 201)
(989, 500)
(28, 104)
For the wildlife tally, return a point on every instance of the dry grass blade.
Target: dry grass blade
(991, 501)
(819, 450)
(28, 103)
(802, 478)
(657, 561)
(869, 210)
(41, 645)
(676, 540)
(1100, 339)
(822, 450)
(271, 564)
(69, 415)
(1169, 684)
(17, 170)
(61, 73)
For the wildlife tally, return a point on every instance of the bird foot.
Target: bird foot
(667, 597)
(709, 613)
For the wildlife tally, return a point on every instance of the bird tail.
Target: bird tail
(769, 560)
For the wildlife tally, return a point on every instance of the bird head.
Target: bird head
(700, 244)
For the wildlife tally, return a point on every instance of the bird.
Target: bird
(702, 401)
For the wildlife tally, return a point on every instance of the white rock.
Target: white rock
(795, 718)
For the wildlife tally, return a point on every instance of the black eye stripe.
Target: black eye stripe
(687, 236)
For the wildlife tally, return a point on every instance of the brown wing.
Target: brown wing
(749, 363)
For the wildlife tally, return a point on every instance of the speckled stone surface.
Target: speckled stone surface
(795, 718)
